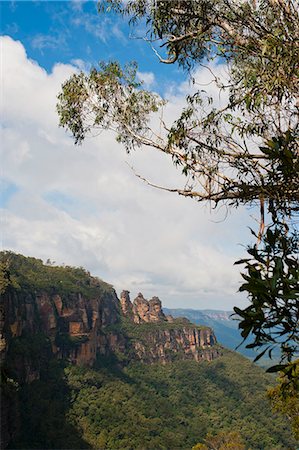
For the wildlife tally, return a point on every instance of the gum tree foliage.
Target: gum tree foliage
(285, 397)
(222, 441)
(242, 153)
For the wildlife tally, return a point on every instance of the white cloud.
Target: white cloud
(11, 28)
(90, 22)
(84, 206)
(77, 5)
(148, 78)
(119, 34)
(42, 41)
(82, 65)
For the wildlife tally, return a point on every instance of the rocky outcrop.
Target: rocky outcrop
(161, 338)
(142, 310)
(126, 305)
(183, 343)
(77, 317)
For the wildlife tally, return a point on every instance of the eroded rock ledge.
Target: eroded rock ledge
(156, 337)
(142, 310)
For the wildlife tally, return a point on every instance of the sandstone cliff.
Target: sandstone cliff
(157, 337)
(74, 326)
(78, 318)
(142, 310)
(79, 330)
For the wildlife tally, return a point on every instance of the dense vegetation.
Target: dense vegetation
(149, 407)
(32, 275)
(143, 330)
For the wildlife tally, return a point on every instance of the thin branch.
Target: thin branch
(191, 35)
(164, 61)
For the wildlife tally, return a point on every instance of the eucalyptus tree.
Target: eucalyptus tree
(243, 152)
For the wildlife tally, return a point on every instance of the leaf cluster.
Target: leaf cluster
(272, 284)
(285, 395)
(222, 441)
(109, 98)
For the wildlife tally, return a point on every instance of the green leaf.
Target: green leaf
(239, 311)
(242, 261)
(276, 368)
(261, 354)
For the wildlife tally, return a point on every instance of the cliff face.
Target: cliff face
(77, 329)
(37, 328)
(161, 338)
(184, 343)
(74, 326)
(69, 314)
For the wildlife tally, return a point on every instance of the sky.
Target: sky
(84, 206)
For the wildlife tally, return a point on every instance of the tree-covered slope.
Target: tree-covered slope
(156, 406)
(28, 274)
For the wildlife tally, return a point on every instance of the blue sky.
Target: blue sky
(75, 31)
(83, 205)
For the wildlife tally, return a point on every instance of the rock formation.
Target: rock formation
(74, 326)
(170, 338)
(126, 305)
(80, 327)
(142, 310)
